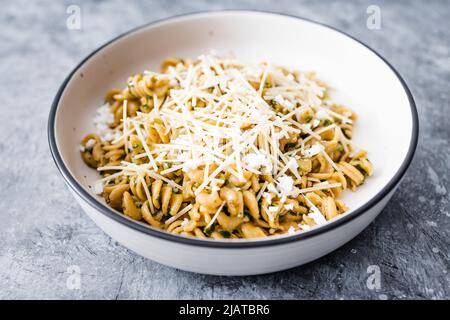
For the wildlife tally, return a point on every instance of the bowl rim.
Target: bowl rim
(226, 244)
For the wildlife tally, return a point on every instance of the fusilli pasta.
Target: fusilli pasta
(221, 149)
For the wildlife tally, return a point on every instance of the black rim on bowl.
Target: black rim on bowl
(76, 186)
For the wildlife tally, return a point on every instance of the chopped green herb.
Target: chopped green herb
(130, 85)
(361, 169)
(225, 233)
(135, 145)
(290, 146)
(274, 103)
(340, 148)
(209, 230)
(308, 119)
(327, 122)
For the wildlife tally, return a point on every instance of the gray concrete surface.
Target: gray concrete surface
(43, 231)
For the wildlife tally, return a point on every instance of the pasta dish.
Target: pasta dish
(218, 148)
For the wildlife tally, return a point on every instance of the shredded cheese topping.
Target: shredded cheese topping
(218, 122)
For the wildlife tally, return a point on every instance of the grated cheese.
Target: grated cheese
(215, 216)
(315, 213)
(285, 185)
(315, 123)
(289, 206)
(268, 197)
(322, 115)
(313, 150)
(271, 188)
(179, 214)
(216, 118)
(185, 222)
(102, 121)
(291, 230)
(304, 227)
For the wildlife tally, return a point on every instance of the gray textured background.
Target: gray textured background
(43, 230)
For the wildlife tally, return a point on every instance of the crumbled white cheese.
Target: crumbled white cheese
(289, 206)
(103, 120)
(273, 209)
(256, 161)
(252, 160)
(293, 164)
(285, 185)
(268, 197)
(271, 188)
(98, 188)
(90, 144)
(317, 216)
(82, 148)
(291, 230)
(314, 150)
(315, 123)
(110, 135)
(104, 115)
(185, 222)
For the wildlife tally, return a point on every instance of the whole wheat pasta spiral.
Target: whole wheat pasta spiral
(216, 148)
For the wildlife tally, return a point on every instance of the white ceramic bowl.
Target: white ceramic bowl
(387, 128)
